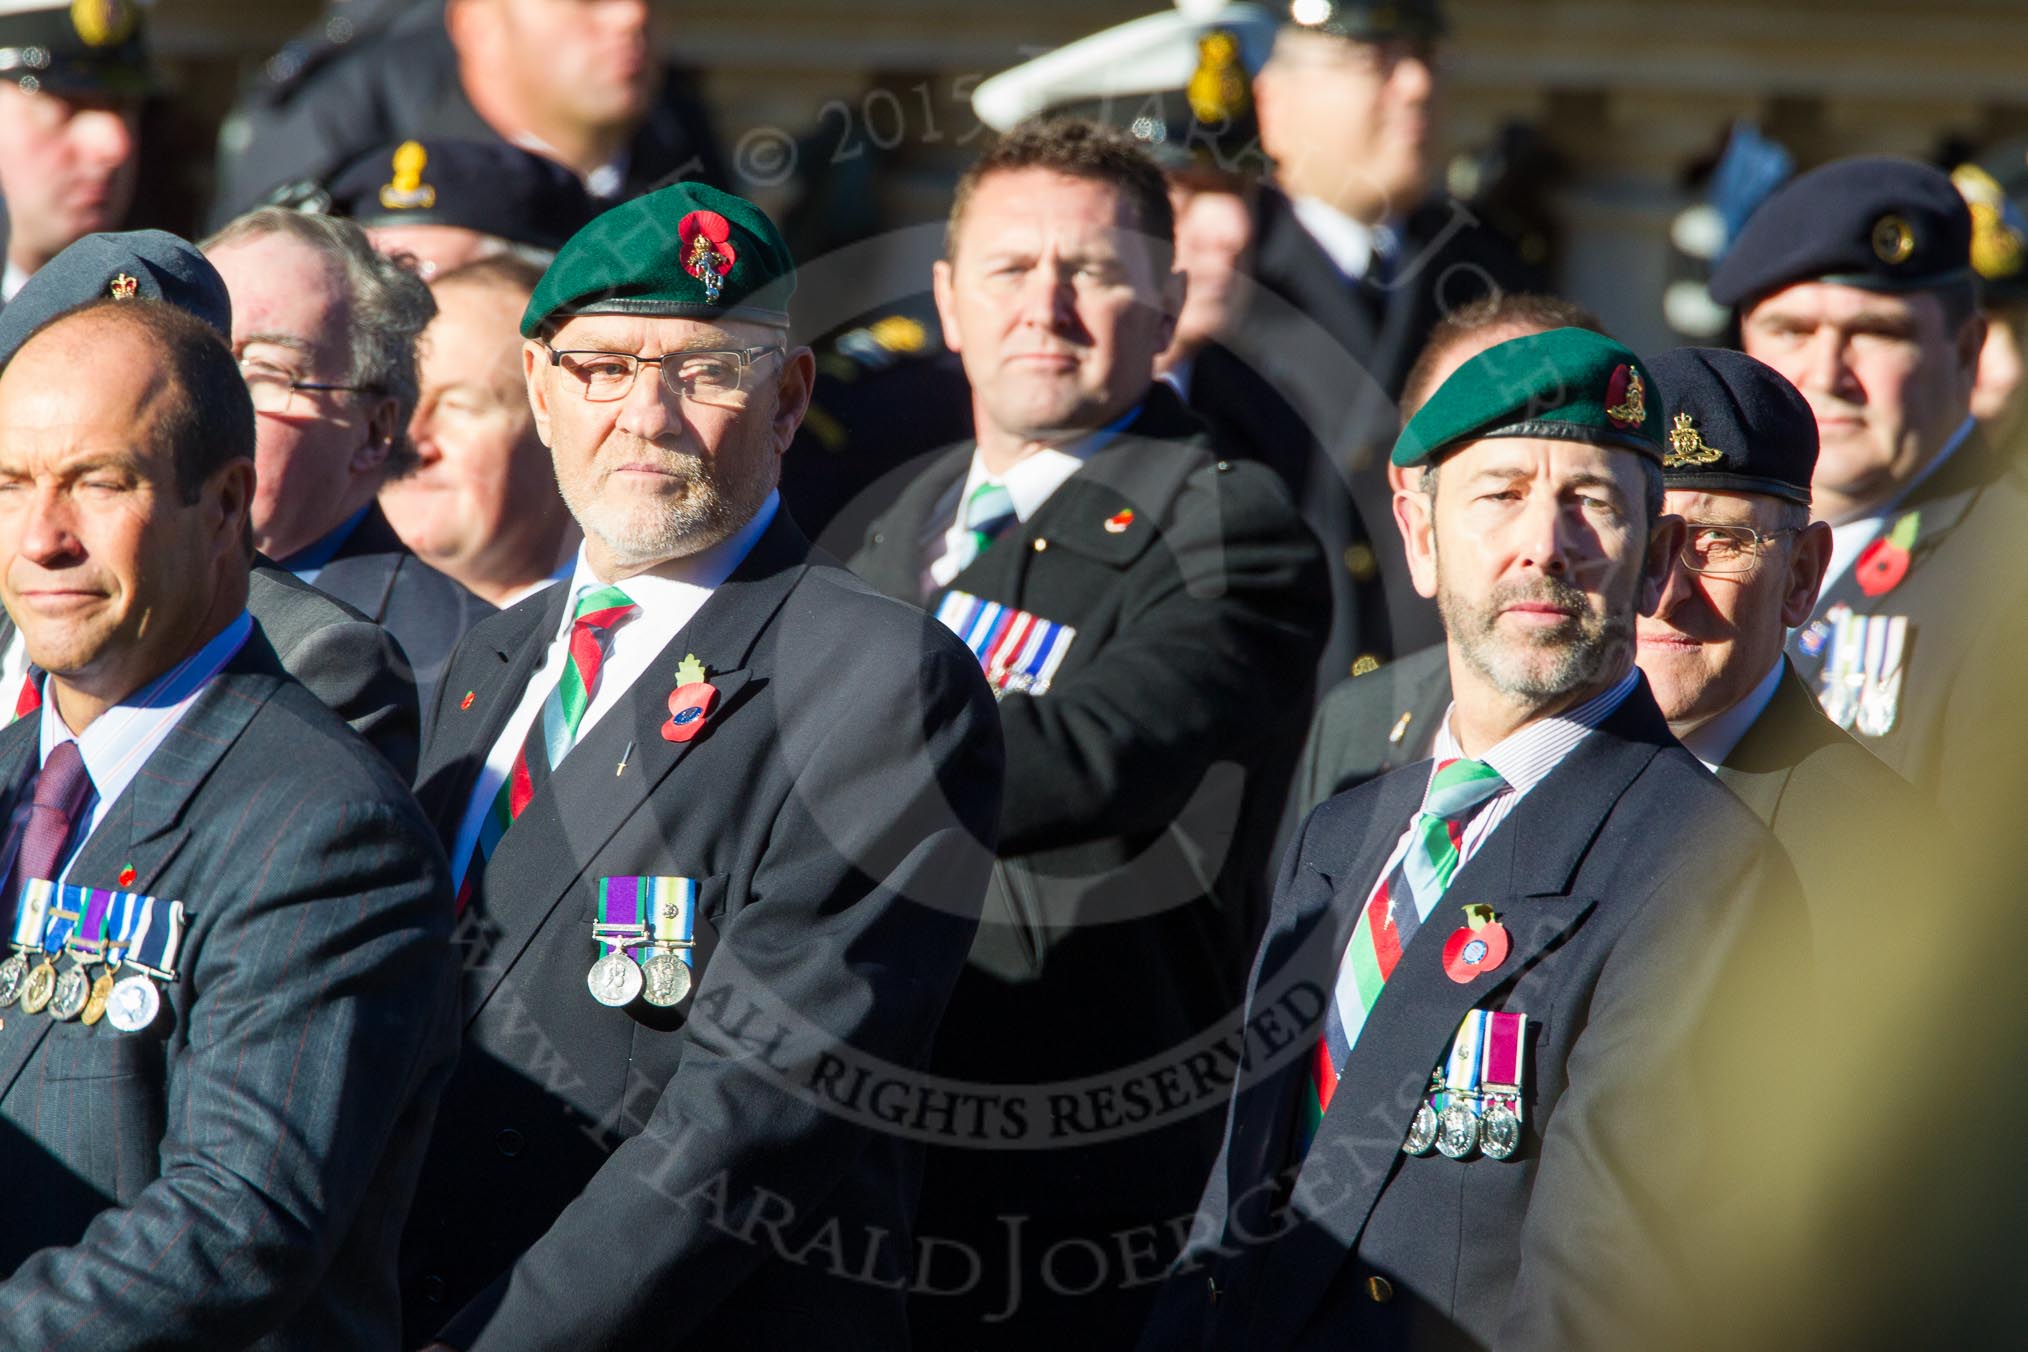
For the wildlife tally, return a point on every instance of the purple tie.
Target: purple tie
(60, 791)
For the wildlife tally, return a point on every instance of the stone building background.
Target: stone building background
(1619, 105)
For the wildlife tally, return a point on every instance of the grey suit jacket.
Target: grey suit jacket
(377, 575)
(340, 656)
(236, 1174)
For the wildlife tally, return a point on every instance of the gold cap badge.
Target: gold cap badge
(406, 191)
(1218, 91)
(1998, 249)
(1632, 410)
(122, 287)
(103, 23)
(1893, 239)
(1687, 448)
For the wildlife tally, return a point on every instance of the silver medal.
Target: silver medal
(133, 1004)
(1422, 1132)
(13, 973)
(615, 979)
(1457, 1131)
(73, 988)
(665, 980)
(1500, 1129)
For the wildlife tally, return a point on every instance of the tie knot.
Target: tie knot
(1459, 786)
(603, 607)
(64, 783)
(989, 509)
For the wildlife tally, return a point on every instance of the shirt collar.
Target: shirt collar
(1525, 756)
(311, 558)
(12, 278)
(1039, 473)
(1714, 740)
(705, 570)
(1348, 243)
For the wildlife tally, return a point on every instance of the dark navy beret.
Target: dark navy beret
(1733, 423)
(1876, 222)
(148, 264)
(488, 186)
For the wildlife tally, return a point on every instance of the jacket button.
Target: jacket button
(1380, 1289)
(433, 1289)
(1041, 544)
(880, 537)
(1224, 466)
(508, 1142)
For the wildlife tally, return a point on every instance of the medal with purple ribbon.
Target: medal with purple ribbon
(615, 979)
(1500, 1084)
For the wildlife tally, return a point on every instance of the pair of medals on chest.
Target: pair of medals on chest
(645, 935)
(86, 953)
(1473, 1103)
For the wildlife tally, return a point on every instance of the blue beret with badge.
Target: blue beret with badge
(124, 265)
(1872, 221)
(1734, 424)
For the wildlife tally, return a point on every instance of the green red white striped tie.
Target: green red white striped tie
(1392, 915)
(554, 731)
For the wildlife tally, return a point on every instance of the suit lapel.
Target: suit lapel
(1524, 871)
(895, 563)
(145, 829)
(1791, 726)
(547, 849)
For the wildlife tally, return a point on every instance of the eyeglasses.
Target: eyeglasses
(1727, 549)
(274, 390)
(701, 377)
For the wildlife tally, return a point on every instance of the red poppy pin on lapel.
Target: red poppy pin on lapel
(127, 876)
(466, 702)
(1882, 565)
(1478, 946)
(690, 702)
(1118, 522)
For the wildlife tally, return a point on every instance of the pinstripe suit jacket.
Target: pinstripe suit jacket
(236, 1175)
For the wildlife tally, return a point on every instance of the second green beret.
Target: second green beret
(687, 251)
(1566, 384)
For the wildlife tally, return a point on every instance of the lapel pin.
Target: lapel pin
(690, 702)
(1882, 565)
(466, 702)
(127, 876)
(1119, 521)
(1477, 946)
(625, 756)
(1401, 727)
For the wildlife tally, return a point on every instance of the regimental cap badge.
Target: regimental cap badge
(123, 287)
(1626, 398)
(1998, 246)
(1218, 91)
(708, 254)
(406, 191)
(103, 23)
(1686, 446)
(1893, 239)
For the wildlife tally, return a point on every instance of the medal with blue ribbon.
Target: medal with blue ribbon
(671, 907)
(1458, 1122)
(615, 978)
(148, 933)
(1019, 652)
(60, 919)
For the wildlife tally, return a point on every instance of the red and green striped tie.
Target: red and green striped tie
(554, 731)
(1393, 914)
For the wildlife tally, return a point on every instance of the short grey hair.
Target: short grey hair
(389, 304)
(1651, 485)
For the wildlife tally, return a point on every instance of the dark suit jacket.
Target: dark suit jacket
(1141, 790)
(1641, 897)
(595, 1174)
(344, 659)
(1966, 599)
(380, 577)
(236, 1174)
(1332, 357)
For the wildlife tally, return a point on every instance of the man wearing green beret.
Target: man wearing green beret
(722, 818)
(1489, 1128)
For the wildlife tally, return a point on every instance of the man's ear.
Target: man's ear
(535, 370)
(230, 495)
(1415, 518)
(793, 388)
(1175, 288)
(1971, 341)
(1808, 562)
(1665, 544)
(943, 288)
(383, 425)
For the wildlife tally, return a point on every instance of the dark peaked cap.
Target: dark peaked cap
(135, 264)
(1734, 423)
(1873, 221)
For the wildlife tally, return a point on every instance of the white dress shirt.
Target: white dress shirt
(1713, 742)
(668, 599)
(1029, 483)
(1849, 539)
(117, 743)
(1348, 243)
